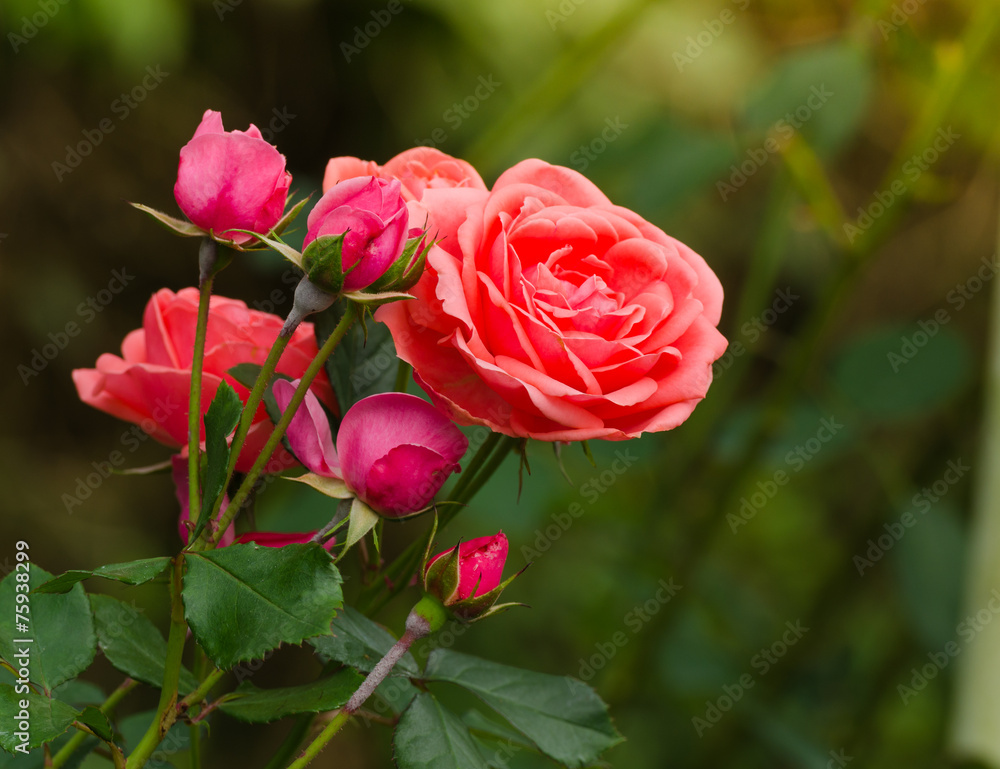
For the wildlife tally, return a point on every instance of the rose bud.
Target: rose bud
(394, 451)
(467, 578)
(356, 232)
(231, 180)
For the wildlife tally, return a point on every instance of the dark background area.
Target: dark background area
(754, 131)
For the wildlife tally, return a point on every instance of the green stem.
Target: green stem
(199, 694)
(194, 404)
(295, 737)
(416, 627)
(107, 708)
(250, 410)
(194, 730)
(402, 376)
(312, 750)
(166, 711)
(350, 315)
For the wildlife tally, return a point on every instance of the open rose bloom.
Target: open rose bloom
(548, 312)
(150, 382)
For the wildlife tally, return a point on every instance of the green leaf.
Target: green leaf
(332, 487)
(130, 573)
(132, 643)
(244, 600)
(56, 655)
(394, 694)
(429, 736)
(179, 226)
(47, 718)
(563, 716)
(220, 420)
(480, 725)
(363, 520)
(358, 368)
(359, 642)
(98, 722)
(248, 703)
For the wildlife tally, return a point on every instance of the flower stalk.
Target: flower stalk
(417, 627)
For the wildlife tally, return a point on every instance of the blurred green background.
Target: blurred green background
(835, 163)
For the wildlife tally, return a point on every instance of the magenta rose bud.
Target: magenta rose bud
(468, 578)
(357, 230)
(231, 180)
(396, 451)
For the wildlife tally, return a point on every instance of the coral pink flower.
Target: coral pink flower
(150, 383)
(418, 169)
(548, 312)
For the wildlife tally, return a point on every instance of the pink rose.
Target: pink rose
(231, 180)
(480, 565)
(373, 215)
(150, 383)
(417, 169)
(548, 312)
(394, 451)
(467, 579)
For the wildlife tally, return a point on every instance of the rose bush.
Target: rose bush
(231, 180)
(548, 312)
(150, 383)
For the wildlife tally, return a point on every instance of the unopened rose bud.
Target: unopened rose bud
(231, 180)
(356, 232)
(467, 579)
